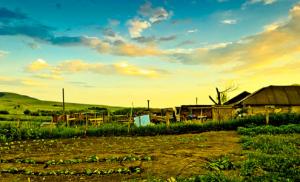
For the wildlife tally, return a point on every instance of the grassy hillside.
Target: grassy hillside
(16, 104)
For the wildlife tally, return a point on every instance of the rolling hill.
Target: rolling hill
(17, 103)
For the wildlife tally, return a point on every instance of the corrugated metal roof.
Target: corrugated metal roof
(274, 95)
(237, 98)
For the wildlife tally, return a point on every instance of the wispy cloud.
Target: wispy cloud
(265, 2)
(5, 80)
(80, 66)
(251, 53)
(154, 15)
(229, 21)
(3, 53)
(192, 30)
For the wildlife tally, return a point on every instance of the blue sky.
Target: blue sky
(116, 52)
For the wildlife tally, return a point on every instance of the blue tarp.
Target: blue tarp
(143, 120)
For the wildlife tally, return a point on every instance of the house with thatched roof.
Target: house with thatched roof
(277, 99)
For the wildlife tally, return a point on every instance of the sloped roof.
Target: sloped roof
(274, 95)
(237, 98)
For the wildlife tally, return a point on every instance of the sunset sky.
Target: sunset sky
(115, 52)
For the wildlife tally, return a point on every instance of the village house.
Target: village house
(273, 99)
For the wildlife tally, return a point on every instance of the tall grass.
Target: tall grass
(31, 130)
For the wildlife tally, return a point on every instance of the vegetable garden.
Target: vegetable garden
(237, 150)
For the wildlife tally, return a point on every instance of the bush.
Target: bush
(27, 112)
(4, 112)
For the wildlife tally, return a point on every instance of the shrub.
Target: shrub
(4, 112)
(27, 112)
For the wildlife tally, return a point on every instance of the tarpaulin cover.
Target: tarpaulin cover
(143, 120)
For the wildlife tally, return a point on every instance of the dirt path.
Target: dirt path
(172, 155)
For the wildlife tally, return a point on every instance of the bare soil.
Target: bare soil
(173, 155)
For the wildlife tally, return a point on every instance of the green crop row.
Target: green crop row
(88, 172)
(284, 129)
(90, 159)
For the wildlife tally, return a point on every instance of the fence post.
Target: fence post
(168, 120)
(267, 117)
(86, 123)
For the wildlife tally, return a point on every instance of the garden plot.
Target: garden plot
(114, 158)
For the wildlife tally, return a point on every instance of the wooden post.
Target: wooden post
(130, 117)
(168, 120)
(63, 105)
(196, 100)
(67, 119)
(148, 101)
(86, 123)
(267, 116)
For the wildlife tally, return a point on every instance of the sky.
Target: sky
(119, 52)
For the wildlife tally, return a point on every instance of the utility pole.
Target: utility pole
(148, 101)
(196, 100)
(63, 104)
(63, 97)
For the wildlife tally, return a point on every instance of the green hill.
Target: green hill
(16, 104)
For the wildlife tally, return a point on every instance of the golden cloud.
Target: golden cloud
(121, 48)
(37, 65)
(78, 66)
(260, 51)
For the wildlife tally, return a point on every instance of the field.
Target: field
(242, 149)
(158, 156)
(256, 153)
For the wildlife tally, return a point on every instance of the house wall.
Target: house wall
(253, 110)
(295, 109)
(186, 111)
(222, 113)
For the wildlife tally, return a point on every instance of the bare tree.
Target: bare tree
(222, 96)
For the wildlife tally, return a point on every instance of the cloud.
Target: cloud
(3, 53)
(49, 76)
(15, 23)
(136, 27)
(152, 16)
(6, 14)
(79, 66)
(192, 31)
(168, 38)
(251, 53)
(4, 80)
(229, 21)
(155, 15)
(251, 2)
(37, 65)
(266, 2)
(153, 39)
(111, 44)
(121, 48)
(113, 22)
(185, 43)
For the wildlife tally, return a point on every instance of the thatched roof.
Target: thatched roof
(274, 95)
(237, 98)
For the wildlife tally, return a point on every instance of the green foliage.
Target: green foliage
(87, 171)
(284, 129)
(272, 153)
(4, 112)
(27, 112)
(209, 177)
(221, 163)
